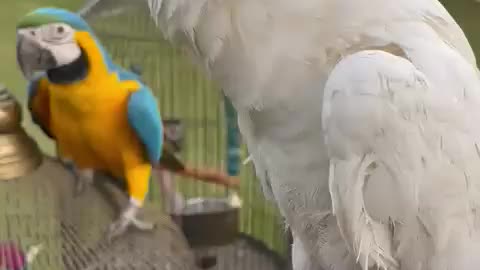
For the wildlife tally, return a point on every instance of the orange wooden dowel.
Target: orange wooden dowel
(207, 175)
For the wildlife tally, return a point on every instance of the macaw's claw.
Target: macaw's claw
(80, 187)
(120, 226)
(143, 225)
(127, 219)
(83, 178)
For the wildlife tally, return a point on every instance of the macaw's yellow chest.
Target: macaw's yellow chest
(89, 121)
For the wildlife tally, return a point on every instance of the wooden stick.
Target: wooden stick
(206, 175)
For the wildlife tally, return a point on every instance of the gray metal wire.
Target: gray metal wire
(40, 209)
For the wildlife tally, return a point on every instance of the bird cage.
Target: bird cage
(210, 135)
(43, 225)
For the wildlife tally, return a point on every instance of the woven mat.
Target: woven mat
(41, 209)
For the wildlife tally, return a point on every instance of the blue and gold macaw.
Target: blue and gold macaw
(101, 116)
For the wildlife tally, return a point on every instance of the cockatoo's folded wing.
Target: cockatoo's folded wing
(405, 160)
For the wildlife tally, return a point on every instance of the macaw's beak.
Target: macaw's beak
(32, 56)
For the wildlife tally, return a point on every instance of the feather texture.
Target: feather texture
(143, 117)
(38, 102)
(403, 150)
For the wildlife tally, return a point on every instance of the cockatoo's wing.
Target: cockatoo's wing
(404, 149)
(144, 118)
(255, 156)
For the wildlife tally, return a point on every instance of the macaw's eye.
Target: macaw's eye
(32, 33)
(56, 33)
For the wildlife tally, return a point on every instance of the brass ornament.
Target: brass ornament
(19, 153)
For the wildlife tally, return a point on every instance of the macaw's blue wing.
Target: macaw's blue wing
(144, 118)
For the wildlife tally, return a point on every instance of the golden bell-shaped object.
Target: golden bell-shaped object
(19, 153)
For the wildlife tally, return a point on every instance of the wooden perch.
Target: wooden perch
(171, 163)
(208, 176)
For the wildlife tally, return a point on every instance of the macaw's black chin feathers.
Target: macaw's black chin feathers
(75, 71)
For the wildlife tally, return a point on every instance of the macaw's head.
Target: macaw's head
(53, 41)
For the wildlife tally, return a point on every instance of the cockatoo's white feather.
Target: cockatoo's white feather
(403, 151)
(362, 120)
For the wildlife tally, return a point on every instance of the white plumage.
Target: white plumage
(362, 118)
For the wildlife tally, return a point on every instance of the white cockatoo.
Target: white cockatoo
(362, 118)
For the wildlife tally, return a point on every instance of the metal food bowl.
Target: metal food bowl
(209, 221)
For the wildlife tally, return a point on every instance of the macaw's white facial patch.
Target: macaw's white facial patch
(46, 47)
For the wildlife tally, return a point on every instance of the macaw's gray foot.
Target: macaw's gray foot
(128, 218)
(66, 163)
(83, 178)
